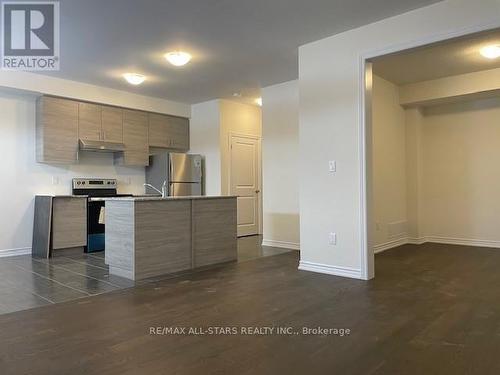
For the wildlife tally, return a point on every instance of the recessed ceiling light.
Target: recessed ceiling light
(490, 52)
(258, 101)
(134, 78)
(178, 58)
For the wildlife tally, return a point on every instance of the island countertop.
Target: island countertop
(157, 198)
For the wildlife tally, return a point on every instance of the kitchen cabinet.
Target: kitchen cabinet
(168, 132)
(135, 138)
(56, 130)
(62, 122)
(112, 124)
(69, 222)
(60, 222)
(100, 123)
(89, 122)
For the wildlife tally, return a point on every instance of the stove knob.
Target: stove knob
(78, 183)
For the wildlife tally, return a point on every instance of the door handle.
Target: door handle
(257, 191)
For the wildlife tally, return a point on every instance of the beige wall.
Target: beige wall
(280, 159)
(434, 170)
(388, 163)
(205, 140)
(237, 118)
(461, 183)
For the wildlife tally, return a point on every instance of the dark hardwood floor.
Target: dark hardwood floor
(432, 309)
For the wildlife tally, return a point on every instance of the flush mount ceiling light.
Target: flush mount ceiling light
(134, 78)
(490, 52)
(178, 58)
(259, 101)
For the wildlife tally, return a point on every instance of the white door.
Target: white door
(244, 182)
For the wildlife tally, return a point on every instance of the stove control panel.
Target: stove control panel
(94, 183)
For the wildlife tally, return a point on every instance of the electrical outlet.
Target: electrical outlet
(332, 166)
(332, 238)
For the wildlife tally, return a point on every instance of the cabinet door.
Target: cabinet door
(112, 124)
(57, 130)
(69, 222)
(178, 131)
(89, 122)
(135, 138)
(158, 131)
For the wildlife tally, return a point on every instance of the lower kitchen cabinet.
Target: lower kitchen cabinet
(59, 223)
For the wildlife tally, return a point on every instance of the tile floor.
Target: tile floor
(28, 282)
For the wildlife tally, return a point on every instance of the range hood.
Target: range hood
(101, 146)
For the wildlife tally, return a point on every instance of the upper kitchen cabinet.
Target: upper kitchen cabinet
(112, 124)
(89, 122)
(56, 131)
(100, 123)
(168, 132)
(135, 138)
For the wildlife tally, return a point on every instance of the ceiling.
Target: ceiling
(448, 58)
(237, 45)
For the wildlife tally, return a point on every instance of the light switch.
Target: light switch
(332, 238)
(332, 166)
(55, 180)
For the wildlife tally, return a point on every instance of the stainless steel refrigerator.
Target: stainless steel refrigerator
(183, 173)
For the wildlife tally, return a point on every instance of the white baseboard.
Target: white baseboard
(330, 270)
(14, 252)
(435, 239)
(281, 244)
(390, 244)
(463, 241)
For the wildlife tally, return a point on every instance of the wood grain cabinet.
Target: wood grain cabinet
(62, 122)
(214, 231)
(112, 124)
(89, 122)
(135, 138)
(69, 222)
(100, 123)
(56, 131)
(168, 132)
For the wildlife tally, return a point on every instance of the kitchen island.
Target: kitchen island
(153, 236)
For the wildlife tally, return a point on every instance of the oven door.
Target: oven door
(95, 230)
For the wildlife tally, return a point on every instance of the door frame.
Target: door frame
(257, 138)
(367, 257)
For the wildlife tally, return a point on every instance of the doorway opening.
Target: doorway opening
(431, 142)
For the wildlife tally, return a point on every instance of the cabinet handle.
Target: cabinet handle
(103, 135)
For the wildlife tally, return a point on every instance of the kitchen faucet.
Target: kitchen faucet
(163, 191)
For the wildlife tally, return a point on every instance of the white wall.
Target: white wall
(388, 163)
(280, 163)
(205, 140)
(41, 84)
(23, 178)
(331, 107)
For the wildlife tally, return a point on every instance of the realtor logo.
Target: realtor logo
(30, 35)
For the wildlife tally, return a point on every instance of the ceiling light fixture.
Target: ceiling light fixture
(490, 52)
(134, 78)
(178, 58)
(259, 101)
